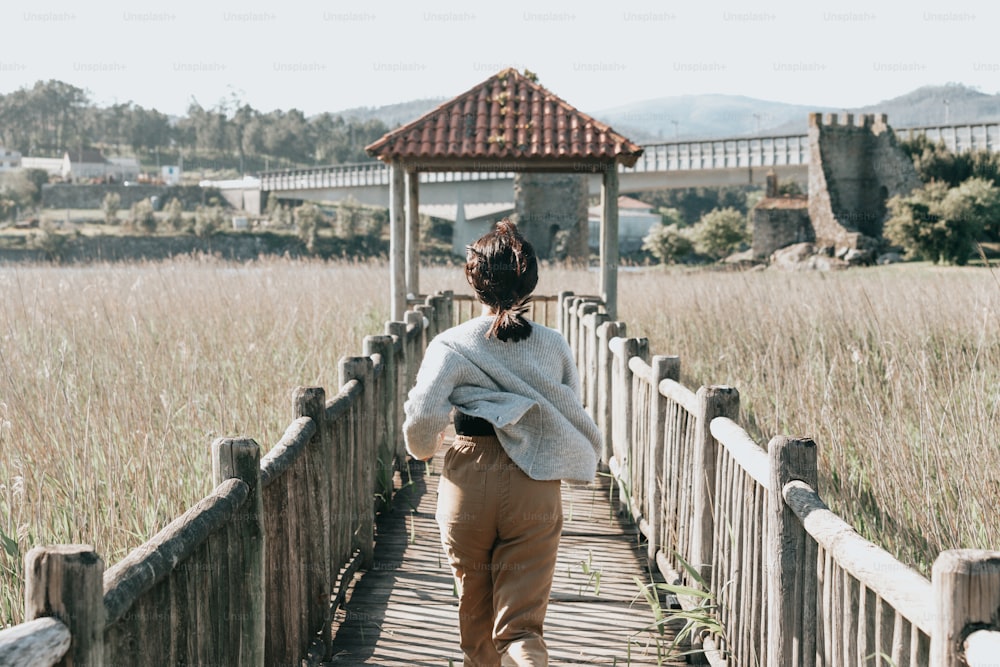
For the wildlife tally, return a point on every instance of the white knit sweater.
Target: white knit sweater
(528, 390)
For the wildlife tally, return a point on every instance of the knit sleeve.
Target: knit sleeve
(428, 407)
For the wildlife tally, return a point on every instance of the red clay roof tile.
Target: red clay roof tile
(510, 117)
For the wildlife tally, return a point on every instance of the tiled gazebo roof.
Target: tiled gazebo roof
(507, 123)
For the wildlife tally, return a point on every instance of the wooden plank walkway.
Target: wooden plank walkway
(404, 611)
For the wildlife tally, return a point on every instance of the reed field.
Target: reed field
(114, 380)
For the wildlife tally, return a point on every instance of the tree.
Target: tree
(720, 232)
(109, 206)
(942, 224)
(208, 220)
(667, 243)
(141, 217)
(934, 162)
(175, 214)
(19, 190)
(307, 219)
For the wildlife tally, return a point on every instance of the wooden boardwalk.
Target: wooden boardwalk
(404, 611)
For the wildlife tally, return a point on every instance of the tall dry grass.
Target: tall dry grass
(894, 371)
(115, 379)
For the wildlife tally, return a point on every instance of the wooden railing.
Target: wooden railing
(252, 573)
(792, 583)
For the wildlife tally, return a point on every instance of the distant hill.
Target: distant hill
(700, 116)
(711, 116)
(393, 115)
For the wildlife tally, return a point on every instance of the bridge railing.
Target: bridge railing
(792, 583)
(252, 573)
(723, 153)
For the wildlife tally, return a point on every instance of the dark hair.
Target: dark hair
(503, 270)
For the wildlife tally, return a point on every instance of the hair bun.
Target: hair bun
(506, 226)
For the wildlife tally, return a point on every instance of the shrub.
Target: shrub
(667, 243)
(110, 206)
(942, 224)
(307, 219)
(175, 215)
(141, 217)
(208, 220)
(720, 232)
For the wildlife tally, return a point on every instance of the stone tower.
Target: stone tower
(547, 203)
(855, 167)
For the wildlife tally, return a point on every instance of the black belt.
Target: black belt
(469, 425)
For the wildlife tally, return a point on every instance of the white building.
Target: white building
(52, 165)
(635, 218)
(9, 159)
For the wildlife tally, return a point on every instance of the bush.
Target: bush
(141, 217)
(50, 242)
(110, 206)
(667, 243)
(208, 220)
(307, 219)
(942, 224)
(175, 215)
(720, 232)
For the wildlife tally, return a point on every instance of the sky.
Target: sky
(334, 55)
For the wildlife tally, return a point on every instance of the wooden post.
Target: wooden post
(584, 310)
(67, 581)
(240, 458)
(385, 402)
(412, 233)
(561, 316)
(360, 369)
(592, 388)
(714, 401)
(787, 640)
(397, 243)
(609, 240)
(661, 367)
(403, 381)
(623, 407)
(605, 359)
(318, 497)
(966, 585)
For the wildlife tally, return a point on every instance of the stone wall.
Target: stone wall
(67, 195)
(234, 247)
(545, 204)
(779, 222)
(91, 196)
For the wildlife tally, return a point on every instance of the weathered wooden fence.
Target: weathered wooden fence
(793, 583)
(253, 572)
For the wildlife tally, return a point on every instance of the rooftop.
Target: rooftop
(506, 123)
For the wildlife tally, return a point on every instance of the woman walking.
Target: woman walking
(520, 429)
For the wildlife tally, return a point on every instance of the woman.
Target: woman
(520, 429)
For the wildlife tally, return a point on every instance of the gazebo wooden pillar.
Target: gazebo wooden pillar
(397, 242)
(508, 123)
(609, 240)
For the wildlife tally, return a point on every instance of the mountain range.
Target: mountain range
(688, 117)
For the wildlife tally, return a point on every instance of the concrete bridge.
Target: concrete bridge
(685, 164)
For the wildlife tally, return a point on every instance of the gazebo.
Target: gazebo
(507, 123)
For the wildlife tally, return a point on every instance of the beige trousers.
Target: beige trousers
(500, 530)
